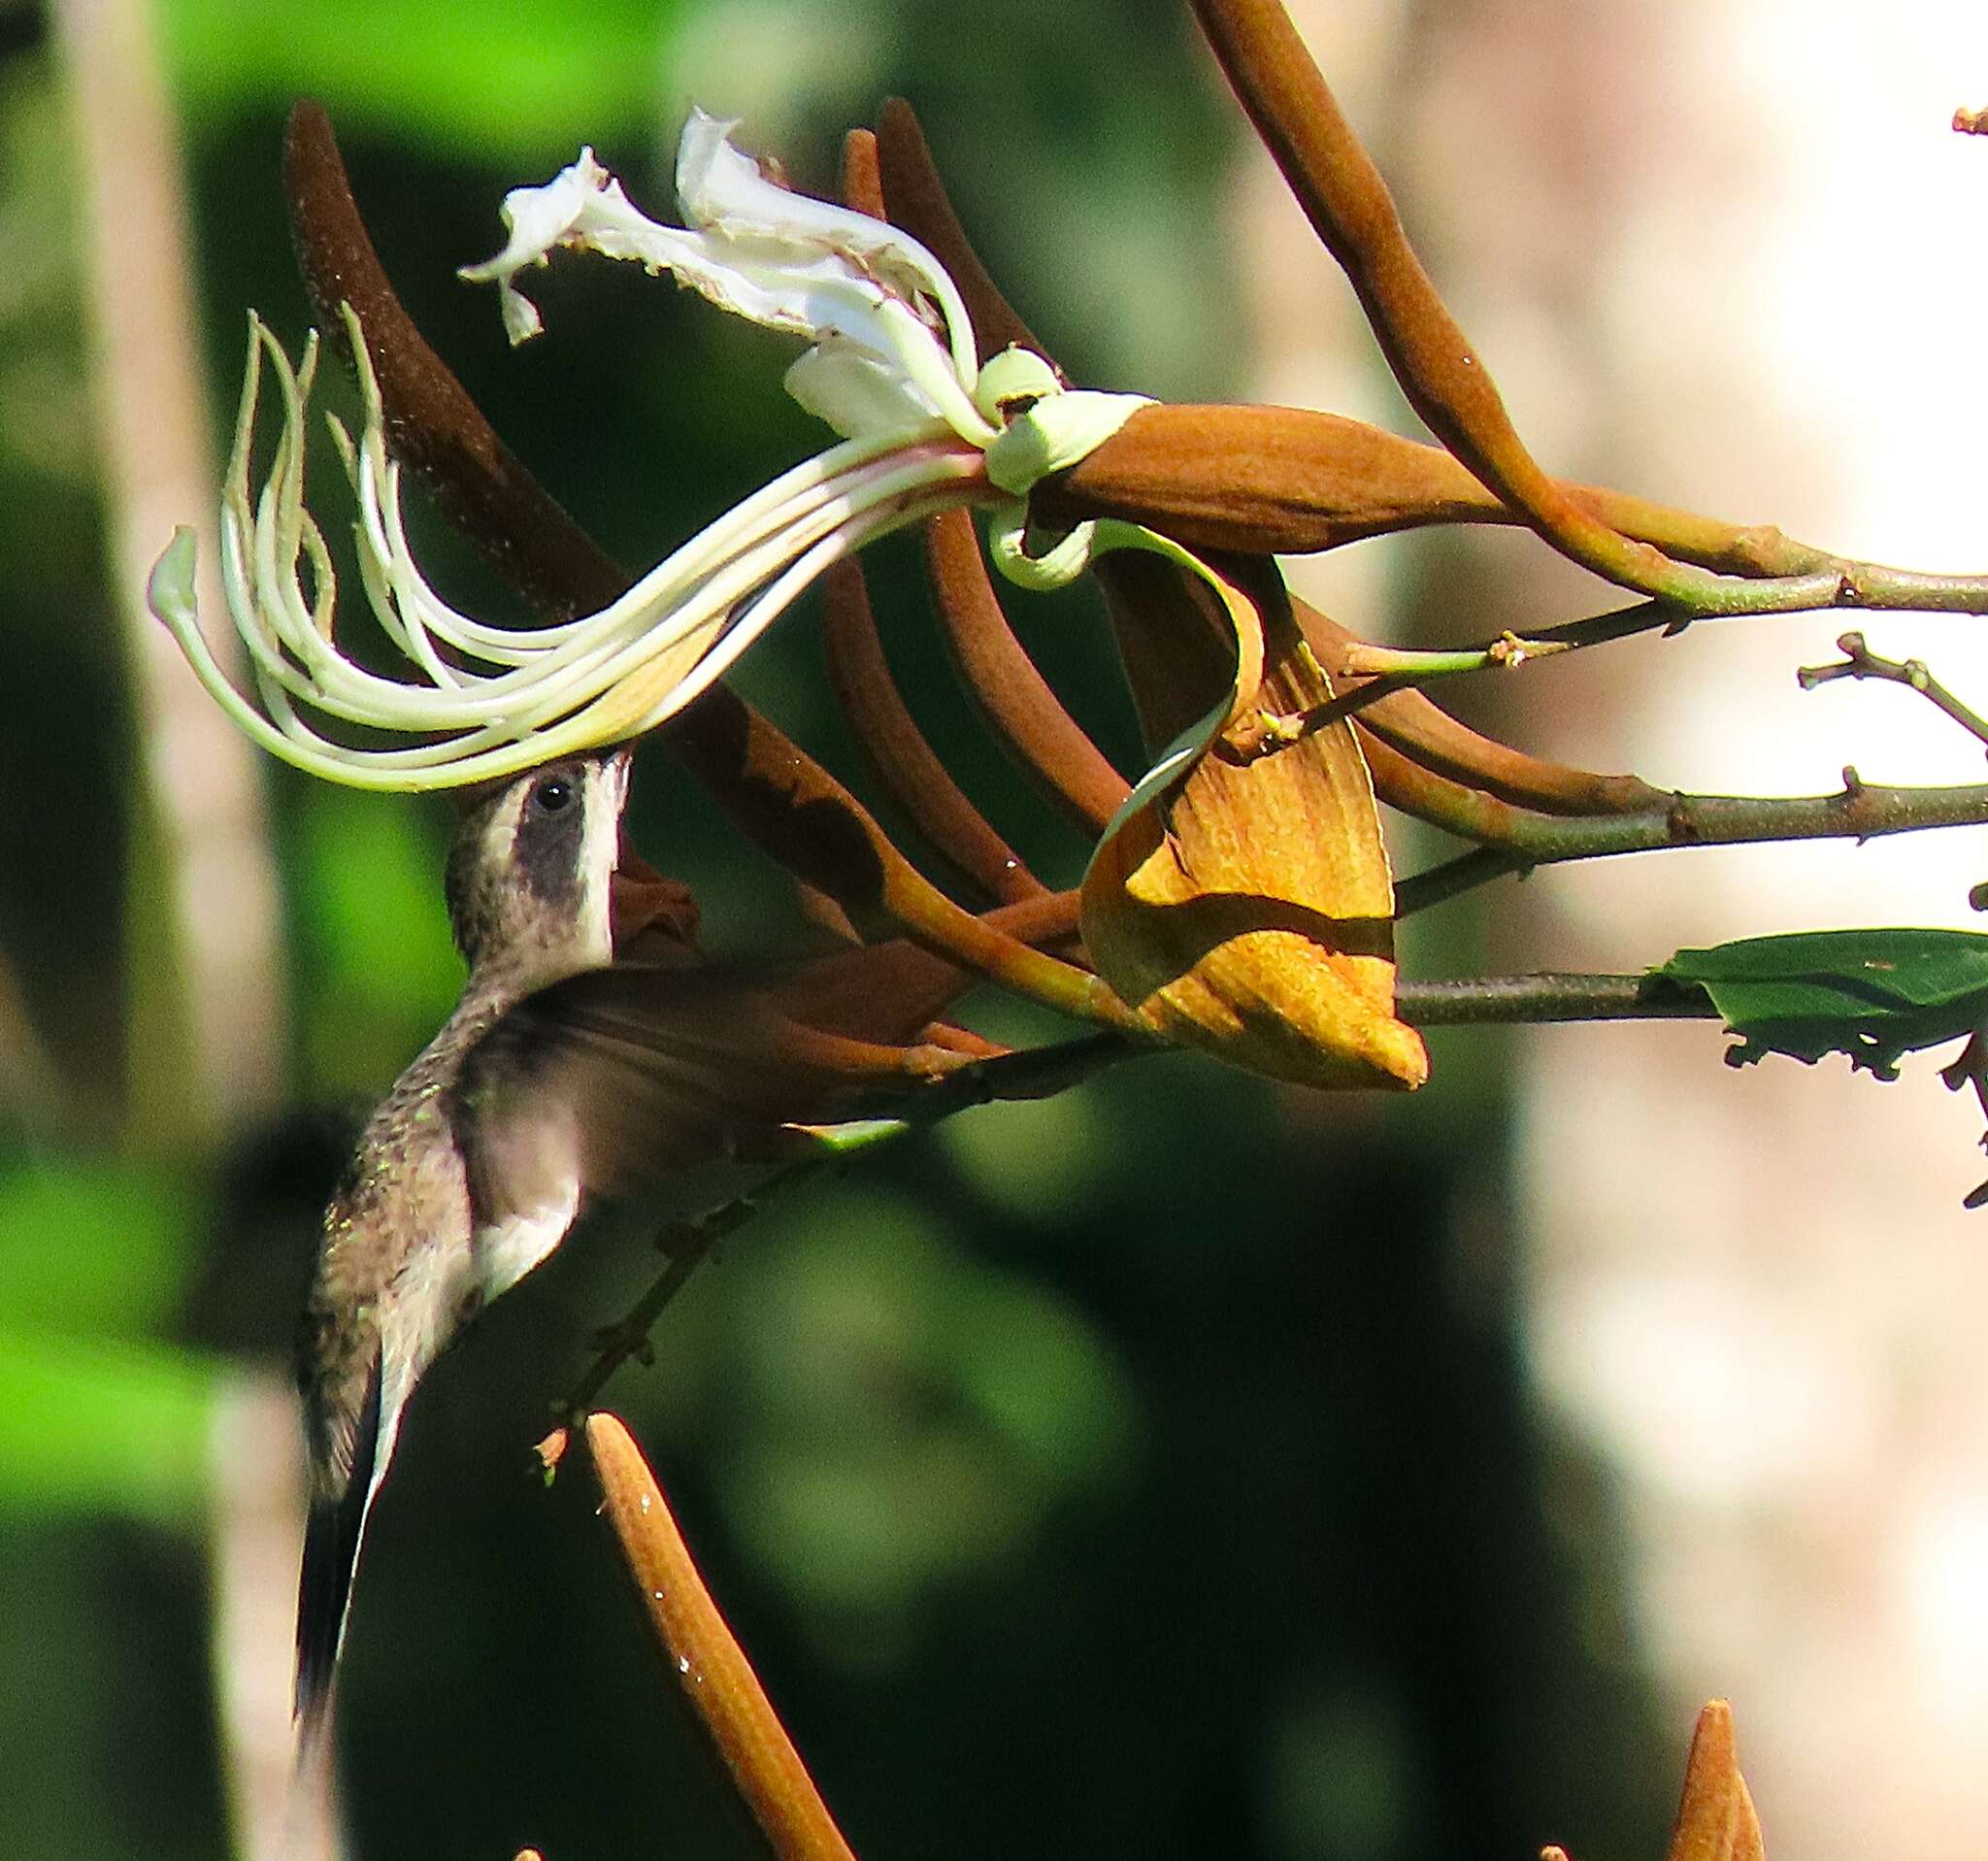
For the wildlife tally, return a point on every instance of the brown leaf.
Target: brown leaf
(1248, 910)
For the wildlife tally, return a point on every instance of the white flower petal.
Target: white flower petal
(721, 189)
(846, 387)
(754, 249)
(537, 218)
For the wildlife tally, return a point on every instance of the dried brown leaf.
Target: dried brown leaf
(1248, 911)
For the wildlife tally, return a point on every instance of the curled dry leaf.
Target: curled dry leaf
(1246, 908)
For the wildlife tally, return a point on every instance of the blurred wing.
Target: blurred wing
(627, 1074)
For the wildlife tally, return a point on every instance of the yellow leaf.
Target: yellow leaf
(1247, 908)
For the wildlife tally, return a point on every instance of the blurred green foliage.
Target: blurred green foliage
(1142, 1473)
(496, 79)
(378, 959)
(96, 1411)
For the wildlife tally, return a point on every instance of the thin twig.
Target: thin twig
(1034, 1073)
(1860, 662)
(1516, 840)
(1415, 665)
(1413, 724)
(1042, 1072)
(1385, 672)
(1550, 997)
(686, 1243)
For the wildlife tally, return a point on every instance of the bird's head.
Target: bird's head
(528, 875)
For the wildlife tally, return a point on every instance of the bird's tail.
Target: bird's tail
(332, 1534)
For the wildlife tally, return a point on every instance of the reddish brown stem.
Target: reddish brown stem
(1012, 698)
(920, 204)
(905, 762)
(1350, 206)
(704, 1656)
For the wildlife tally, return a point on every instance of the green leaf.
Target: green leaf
(1871, 994)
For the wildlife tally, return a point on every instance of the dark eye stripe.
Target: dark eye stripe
(550, 836)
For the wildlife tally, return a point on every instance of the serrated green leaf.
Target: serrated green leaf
(1871, 994)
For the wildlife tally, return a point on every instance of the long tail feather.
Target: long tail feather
(331, 1554)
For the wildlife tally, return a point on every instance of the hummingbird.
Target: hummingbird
(455, 1191)
(594, 1049)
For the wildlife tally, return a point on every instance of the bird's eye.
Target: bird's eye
(552, 794)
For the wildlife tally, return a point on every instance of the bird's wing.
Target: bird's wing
(637, 1071)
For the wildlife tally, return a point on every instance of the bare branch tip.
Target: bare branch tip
(550, 1451)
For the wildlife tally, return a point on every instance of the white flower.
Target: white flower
(891, 364)
(891, 344)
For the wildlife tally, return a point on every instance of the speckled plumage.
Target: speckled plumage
(567, 1071)
(429, 1224)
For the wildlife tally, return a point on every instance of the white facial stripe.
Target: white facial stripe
(500, 834)
(607, 787)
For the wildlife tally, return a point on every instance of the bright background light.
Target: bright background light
(1729, 255)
